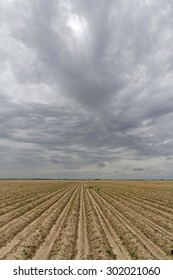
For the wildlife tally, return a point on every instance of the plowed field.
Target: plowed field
(86, 220)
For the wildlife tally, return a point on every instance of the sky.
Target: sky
(86, 89)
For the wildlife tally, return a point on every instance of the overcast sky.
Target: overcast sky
(86, 88)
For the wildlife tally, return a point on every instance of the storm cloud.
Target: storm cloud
(86, 85)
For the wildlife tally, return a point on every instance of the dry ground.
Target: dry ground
(86, 219)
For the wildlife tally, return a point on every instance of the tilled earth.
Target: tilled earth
(54, 219)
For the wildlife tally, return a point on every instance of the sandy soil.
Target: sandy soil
(86, 219)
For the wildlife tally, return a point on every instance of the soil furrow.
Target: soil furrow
(156, 207)
(11, 217)
(82, 240)
(152, 219)
(98, 244)
(45, 248)
(154, 249)
(118, 249)
(162, 238)
(64, 246)
(8, 231)
(55, 219)
(148, 196)
(20, 205)
(18, 243)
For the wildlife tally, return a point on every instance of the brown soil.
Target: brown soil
(86, 220)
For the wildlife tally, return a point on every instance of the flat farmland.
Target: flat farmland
(51, 219)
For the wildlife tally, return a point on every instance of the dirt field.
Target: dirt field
(86, 220)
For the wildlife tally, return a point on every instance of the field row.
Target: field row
(86, 220)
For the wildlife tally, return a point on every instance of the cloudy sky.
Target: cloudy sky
(86, 88)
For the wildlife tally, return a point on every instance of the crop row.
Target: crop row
(86, 220)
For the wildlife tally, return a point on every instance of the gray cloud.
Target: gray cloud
(84, 83)
(138, 169)
(169, 158)
(101, 164)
